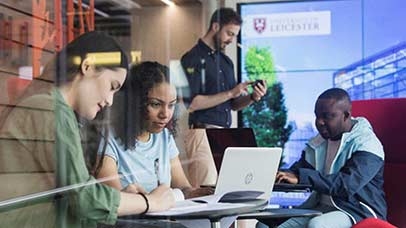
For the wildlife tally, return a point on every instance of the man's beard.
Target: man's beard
(217, 42)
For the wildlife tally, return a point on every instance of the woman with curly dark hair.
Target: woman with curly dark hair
(141, 147)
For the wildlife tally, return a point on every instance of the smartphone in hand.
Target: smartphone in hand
(257, 82)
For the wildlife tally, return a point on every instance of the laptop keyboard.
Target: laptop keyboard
(287, 199)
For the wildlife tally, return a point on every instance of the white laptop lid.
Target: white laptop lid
(249, 168)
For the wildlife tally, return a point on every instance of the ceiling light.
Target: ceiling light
(127, 4)
(96, 11)
(168, 2)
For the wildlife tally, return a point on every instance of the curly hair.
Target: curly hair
(129, 111)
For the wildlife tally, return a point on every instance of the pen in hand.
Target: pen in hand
(156, 167)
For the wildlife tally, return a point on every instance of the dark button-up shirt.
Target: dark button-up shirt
(209, 72)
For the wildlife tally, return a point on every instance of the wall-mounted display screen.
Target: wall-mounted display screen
(310, 46)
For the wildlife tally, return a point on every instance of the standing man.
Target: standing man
(214, 92)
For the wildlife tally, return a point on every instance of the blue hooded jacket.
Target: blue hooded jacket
(355, 180)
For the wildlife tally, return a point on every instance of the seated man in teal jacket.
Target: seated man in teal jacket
(343, 163)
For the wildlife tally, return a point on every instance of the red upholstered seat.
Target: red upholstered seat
(388, 118)
(373, 223)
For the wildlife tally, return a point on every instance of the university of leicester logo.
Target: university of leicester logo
(259, 24)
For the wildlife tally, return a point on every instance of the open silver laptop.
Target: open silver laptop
(249, 169)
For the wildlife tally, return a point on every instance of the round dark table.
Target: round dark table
(214, 216)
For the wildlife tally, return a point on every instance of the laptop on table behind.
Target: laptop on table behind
(220, 139)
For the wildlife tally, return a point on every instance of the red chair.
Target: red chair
(388, 119)
(373, 223)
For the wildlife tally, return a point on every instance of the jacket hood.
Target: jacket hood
(360, 128)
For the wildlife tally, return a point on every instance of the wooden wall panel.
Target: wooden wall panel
(165, 33)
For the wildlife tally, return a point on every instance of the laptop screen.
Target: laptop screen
(220, 139)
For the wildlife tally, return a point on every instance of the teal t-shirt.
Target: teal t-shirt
(138, 165)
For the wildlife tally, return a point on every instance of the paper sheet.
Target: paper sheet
(206, 203)
(198, 207)
(178, 194)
